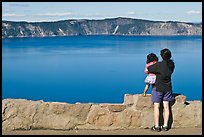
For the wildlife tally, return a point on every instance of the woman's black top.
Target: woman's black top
(163, 76)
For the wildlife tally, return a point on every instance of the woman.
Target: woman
(162, 92)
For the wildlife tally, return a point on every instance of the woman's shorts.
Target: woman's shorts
(158, 97)
(150, 79)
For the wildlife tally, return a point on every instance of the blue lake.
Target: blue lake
(98, 69)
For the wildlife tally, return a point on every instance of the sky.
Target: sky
(55, 11)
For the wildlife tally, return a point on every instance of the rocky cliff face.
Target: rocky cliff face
(114, 26)
(135, 112)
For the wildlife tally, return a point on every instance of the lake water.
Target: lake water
(98, 69)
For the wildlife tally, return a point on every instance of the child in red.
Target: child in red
(151, 78)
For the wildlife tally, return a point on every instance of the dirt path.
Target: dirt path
(181, 131)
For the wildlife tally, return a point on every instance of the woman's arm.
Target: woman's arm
(153, 68)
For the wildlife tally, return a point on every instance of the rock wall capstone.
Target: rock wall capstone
(135, 112)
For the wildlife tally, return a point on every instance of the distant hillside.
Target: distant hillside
(112, 26)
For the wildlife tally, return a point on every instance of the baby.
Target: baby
(151, 78)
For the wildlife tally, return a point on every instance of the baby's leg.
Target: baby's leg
(146, 88)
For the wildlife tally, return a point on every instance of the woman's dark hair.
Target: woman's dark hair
(151, 57)
(166, 55)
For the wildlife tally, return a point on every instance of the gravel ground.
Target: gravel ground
(180, 131)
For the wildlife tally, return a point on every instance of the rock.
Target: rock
(100, 116)
(147, 117)
(180, 98)
(18, 113)
(116, 107)
(80, 111)
(132, 118)
(143, 102)
(130, 99)
(187, 115)
(138, 101)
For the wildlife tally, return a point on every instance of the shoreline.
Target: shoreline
(128, 35)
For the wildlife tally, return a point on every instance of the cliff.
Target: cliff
(135, 112)
(112, 26)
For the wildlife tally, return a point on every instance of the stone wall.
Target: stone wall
(135, 112)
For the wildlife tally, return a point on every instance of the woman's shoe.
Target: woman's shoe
(164, 128)
(158, 129)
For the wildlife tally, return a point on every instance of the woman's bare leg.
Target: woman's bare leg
(156, 114)
(166, 112)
